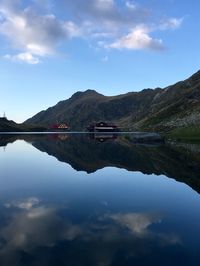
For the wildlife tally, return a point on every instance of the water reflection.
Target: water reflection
(103, 137)
(111, 217)
(92, 152)
(37, 234)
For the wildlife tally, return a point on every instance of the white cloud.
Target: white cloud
(72, 29)
(171, 23)
(131, 5)
(34, 34)
(34, 31)
(138, 39)
(23, 57)
(28, 30)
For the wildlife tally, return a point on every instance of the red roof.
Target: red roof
(59, 126)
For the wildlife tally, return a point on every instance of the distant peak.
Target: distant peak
(90, 92)
(82, 93)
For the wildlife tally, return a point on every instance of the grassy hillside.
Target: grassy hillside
(191, 133)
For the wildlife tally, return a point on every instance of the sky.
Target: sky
(52, 48)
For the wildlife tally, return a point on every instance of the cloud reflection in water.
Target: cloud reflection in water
(35, 233)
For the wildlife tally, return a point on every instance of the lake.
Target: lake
(82, 199)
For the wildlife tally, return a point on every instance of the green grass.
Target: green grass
(189, 134)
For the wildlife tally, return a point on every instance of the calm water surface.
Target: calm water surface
(82, 200)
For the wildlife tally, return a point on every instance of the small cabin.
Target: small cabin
(60, 126)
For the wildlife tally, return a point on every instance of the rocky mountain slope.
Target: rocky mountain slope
(176, 106)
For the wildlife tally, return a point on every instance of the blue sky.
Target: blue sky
(51, 49)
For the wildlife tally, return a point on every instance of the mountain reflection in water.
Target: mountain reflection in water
(133, 221)
(90, 152)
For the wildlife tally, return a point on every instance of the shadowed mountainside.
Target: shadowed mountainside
(163, 110)
(11, 126)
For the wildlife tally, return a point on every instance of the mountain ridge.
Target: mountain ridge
(160, 109)
(10, 126)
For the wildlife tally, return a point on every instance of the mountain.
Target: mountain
(10, 126)
(176, 106)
